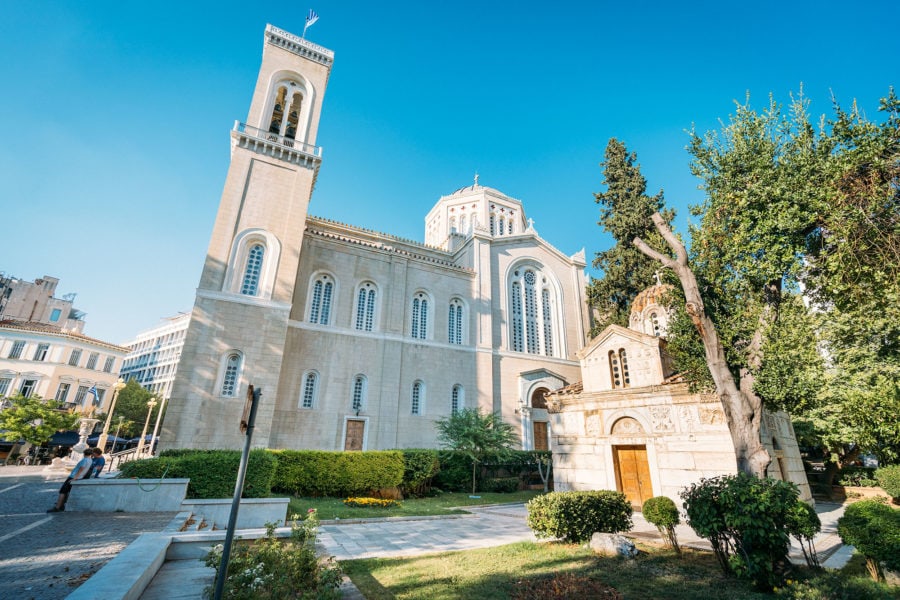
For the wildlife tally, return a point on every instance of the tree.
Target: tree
(477, 435)
(625, 211)
(131, 403)
(34, 420)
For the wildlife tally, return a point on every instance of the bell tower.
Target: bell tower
(240, 316)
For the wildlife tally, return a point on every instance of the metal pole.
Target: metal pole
(156, 427)
(222, 573)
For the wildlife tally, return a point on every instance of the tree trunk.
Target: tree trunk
(743, 411)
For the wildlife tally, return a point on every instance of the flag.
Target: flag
(93, 391)
(311, 18)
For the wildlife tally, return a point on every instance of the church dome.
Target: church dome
(649, 313)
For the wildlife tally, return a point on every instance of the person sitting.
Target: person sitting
(81, 471)
(97, 463)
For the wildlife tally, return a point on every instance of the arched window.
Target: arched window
(452, 224)
(493, 224)
(320, 304)
(365, 307)
(509, 225)
(290, 113)
(358, 399)
(231, 374)
(501, 229)
(654, 324)
(618, 369)
(417, 398)
(419, 324)
(310, 387)
(278, 111)
(462, 224)
(455, 322)
(533, 312)
(252, 270)
(538, 398)
(457, 398)
(623, 360)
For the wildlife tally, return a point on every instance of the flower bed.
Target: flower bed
(364, 502)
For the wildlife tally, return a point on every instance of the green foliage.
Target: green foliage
(131, 403)
(34, 420)
(745, 519)
(320, 473)
(419, 469)
(889, 480)
(213, 473)
(478, 435)
(803, 523)
(858, 477)
(625, 211)
(273, 568)
(503, 485)
(835, 586)
(456, 472)
(874, 530)
(662, 512)
(576, 516)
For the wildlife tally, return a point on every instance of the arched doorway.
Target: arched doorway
(540, 432)
(631, 464)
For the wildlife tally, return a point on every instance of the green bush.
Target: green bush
(662, 512)
(745, 520)
(321, 473)
(835, 586)
(419, 469)
(576, 516)
(501, 485)
(857, 477)
(874, 530)
(889, 480)
(213, 473)
(803, 523)
(456, 472)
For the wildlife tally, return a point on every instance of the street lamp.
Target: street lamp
(118, 427)
(156, 427)
(101, 441)
(150, 406)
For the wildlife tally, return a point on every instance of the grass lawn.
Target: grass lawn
(522, 571)
(447, 503)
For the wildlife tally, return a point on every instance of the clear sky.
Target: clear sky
(116, 116)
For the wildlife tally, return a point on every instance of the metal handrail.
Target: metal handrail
(275, 138)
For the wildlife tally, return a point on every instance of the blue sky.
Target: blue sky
(116, 116)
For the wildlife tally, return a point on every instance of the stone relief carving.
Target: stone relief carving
(627, 426)
(712, 416)
(592, 426)
(771, 426)
(661, 416)
(687, 418)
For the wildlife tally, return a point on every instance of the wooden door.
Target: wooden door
(540, 435)
(633, 474)
(353, 438)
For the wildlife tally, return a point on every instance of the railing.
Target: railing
(275, 138)
(119, 458)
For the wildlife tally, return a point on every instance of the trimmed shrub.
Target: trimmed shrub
(576, 516)
(501, 485)
(874, 530)
(745, 520)
(662, 512)
(213, 473)
(419, 468)
(456, 472)
(889, 480)
(338, 474)
(803, 523)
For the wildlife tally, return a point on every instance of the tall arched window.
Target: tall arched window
(457, 398)
(417, 398)
(252, 270)
(231, 374)
(310, 388)
(493, 224)
(358, 399)
(618, 369)
(365, 307)
(502, 228)
(419, 323)
(533, 312)
(654, 324)
(452, 224)
(462, 224)
(320, 304)
(623, 360)
(287, 113)
(455, 322)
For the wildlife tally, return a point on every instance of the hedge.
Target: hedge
(576, 516)
(213, 473)
(889, 480)
(419, 469)
(874, 530)
(322, 473)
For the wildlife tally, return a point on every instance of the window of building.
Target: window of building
(418, 397)
(533, 312)
(457, 398)
(99, 396)
(54, 315)
(654, 324)
(252, 270)
(108, 365)
(310, 387)
(62, 392)
(493, 224)
(41, 352)
(92, 360)
(4, 386)
(358, 401)
(623, 359)
(365, 307)
(28, 386)
(419, 323)
(320, 304)
(75, 357)
(618, 368)
(16, 350)
(80, 395)
(231, 374)
(455, 322)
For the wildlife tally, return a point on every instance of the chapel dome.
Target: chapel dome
(649, 310)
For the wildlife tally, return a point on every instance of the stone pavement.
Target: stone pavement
(46, 556)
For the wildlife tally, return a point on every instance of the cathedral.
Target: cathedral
(358, 339)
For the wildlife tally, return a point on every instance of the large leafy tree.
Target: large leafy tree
(131, 404)
(34, 420)
(625, 210)
(476, 434)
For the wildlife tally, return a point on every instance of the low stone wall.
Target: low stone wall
(253, 513)
(127, 495)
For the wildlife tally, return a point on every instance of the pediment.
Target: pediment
(615, 336)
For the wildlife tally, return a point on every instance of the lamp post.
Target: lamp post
(101, 441)
(118, 427)
(150, 405)
(156, 427)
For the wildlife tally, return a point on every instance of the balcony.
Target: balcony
(275, 145)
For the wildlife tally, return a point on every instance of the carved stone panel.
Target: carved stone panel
(661, 416)
(592, 426)
(627, 426)
(688, 420)
(712, 416)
